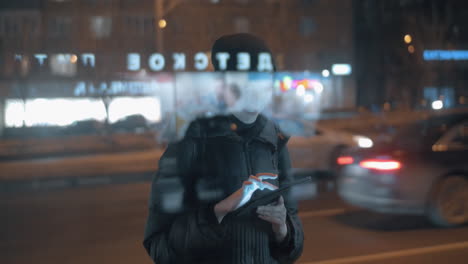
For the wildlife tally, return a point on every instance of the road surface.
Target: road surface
(105, 223)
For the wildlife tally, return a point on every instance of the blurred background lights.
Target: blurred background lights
(411, 49)
(443, 55)
(318, 87)
(300, 91)
(325, 73)
(408, 39)
(341, 69)
(60, 111)
(437, 104)
(65, 111)
(73, 58)
(308, 98)
(287, 81)
(162, 23)
(363, 142)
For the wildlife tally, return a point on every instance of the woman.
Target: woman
(216, 163)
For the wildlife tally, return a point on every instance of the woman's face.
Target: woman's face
(230, 98)
(248, 94)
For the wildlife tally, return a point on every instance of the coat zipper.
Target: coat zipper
(247, 157)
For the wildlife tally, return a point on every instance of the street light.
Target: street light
(407, 38)
(162, 23)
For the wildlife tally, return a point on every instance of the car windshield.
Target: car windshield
(423, 133)
(233, 131)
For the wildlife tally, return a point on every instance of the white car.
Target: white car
(314, 148)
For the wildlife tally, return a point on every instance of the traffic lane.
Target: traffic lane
(105, 224)
(454, 256)
(360, 233)
(448, 253)
(86, 225)
(83, 165)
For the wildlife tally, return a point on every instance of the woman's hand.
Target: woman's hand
(243, 195)
(275, 214)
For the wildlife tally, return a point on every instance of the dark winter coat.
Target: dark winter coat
(210, 163)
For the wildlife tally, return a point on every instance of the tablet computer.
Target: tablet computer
(266, 198)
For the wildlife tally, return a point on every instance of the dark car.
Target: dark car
(133, 123)
(85, 127)
(422, 169)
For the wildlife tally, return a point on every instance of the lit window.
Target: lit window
(101, 26)
(60, 26)
(9, 25)
(137, 25)
(19, 24)
(307, 26)
(241, 24)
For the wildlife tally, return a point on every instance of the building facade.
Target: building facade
(395, 41)
(60, 48)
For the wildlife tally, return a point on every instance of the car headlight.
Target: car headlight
(363, 142)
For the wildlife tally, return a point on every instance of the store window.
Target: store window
(139, 25)
(63, 64)
(52, 112)
(10, 26)
(60, 26)
(20, 24)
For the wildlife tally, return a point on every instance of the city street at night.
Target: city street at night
(176, 123)
(104, 224)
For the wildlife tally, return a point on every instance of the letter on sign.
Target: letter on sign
(264, 62)
(88, 58)
(201, 61)
(179, 61)
(40, 57)
(156, 62)
(133, 61)
(243, 61)
(222, 58)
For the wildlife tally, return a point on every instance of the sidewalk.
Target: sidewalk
(56, 173)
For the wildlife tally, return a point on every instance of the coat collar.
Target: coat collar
(222, 126)
(268, 133)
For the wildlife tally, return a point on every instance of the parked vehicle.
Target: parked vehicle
(83, 127)
(132, 123)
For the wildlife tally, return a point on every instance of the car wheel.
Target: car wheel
(448, 204)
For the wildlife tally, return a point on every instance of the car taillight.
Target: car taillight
(381, 165)
(344, 160)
